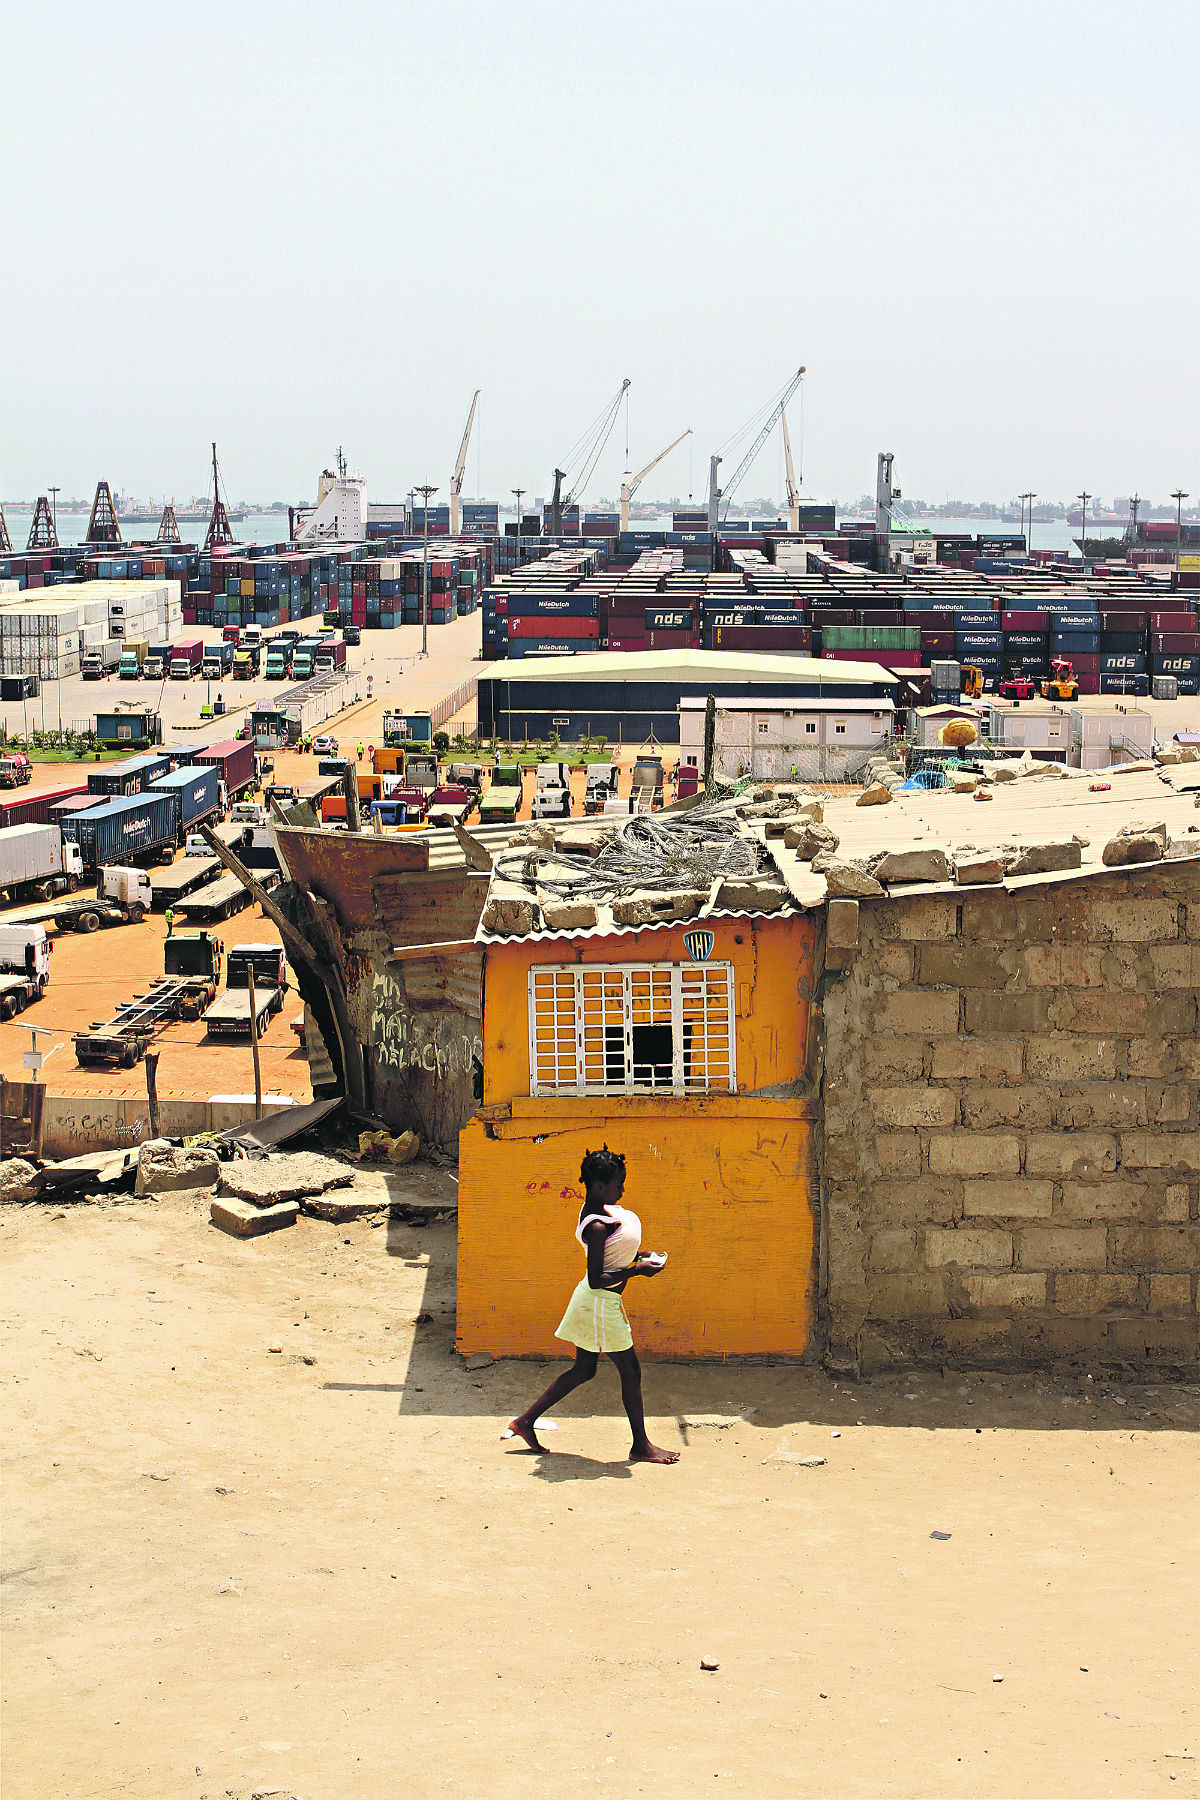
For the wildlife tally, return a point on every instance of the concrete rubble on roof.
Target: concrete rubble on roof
(1136, 844)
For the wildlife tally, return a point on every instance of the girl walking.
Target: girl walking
(595, 1320)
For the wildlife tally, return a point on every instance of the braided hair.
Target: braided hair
(601, 1165)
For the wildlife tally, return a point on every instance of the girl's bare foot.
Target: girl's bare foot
(652, 1453)
(527, 1434)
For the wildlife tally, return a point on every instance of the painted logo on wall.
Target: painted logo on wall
(699, 945)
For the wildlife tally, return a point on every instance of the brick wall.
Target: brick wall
(1012, 1144)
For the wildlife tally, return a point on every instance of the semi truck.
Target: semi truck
(134, 826)
(246, 661)
(193, 973)
(134, 652)
(186, 659)
(279, 659)
(37, 862)
(218, 660)
(122, 897)
(331, 655)
(101, 659)
(229, 1017)
(304, 659)
(157, 661)
(24, 966)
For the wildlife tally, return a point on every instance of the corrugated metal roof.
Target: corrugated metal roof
(683, 665)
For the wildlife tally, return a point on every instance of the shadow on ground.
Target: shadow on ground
(770, 1395)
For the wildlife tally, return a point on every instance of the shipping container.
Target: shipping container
(124, 828)
(194, 789)
(35, 809)
(233, 760)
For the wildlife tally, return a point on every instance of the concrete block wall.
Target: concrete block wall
(1012, 1144)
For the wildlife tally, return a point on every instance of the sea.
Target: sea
(271, 528)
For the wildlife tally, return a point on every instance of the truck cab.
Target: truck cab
(92, 666)
(192, 953)
(279, 660)
(15, 771)
(25, 950)
(129, 888)
(246, 662)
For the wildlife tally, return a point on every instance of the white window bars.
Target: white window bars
(631, 1028)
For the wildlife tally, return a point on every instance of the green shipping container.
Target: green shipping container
(870, 637)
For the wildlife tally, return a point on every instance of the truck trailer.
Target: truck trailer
(196, 790)
(102, 659)
(138, 826)
(35, 809)
(229, 1017)
(134, 652)
(186, 659)
(218, 660)
(37, 862)
(235, 763)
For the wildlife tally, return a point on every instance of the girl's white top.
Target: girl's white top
(622, 1245)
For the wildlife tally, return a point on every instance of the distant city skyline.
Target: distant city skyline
(976, 229)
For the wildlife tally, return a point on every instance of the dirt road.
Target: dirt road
(262, 1535)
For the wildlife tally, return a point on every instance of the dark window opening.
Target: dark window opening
(653, 1055)
(614, 1055)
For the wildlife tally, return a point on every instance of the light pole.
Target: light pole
(518, 492)
(1179, 496)
(1084, 497)
(1031, 497)
(425, 492)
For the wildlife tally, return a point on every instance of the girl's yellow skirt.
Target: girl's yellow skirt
(595, 1320)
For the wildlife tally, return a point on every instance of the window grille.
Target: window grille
(622, 1028)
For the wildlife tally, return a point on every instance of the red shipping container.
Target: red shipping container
(1175, 643)
(937, 643)
(557, 625)
(1174, 621)
(358, 612)
(765, 638)
(832, 615)
(1122, 621)
(1025, 621)
(1085, 662)
(867, 615)
(626, 644)
(936, 619)
(672, 640)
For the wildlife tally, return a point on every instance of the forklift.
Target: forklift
(1061, 684)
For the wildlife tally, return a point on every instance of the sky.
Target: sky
(294, 227)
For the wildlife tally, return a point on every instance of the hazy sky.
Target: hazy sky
(294, 226)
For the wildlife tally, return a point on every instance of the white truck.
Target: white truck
(24, 966)
(123, 896)
(36, 862)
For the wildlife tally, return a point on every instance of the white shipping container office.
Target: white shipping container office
(787, 739)
(1099, 739)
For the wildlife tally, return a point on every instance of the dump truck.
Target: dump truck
(229, 1017)
(134, 652)
(37, 862)
(193, 973)
(24, 966)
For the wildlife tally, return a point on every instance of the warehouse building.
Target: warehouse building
(624, 697)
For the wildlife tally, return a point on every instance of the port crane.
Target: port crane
(717, 494)
(457, 478)
(793, 492)
(584, 453)
(630, 487)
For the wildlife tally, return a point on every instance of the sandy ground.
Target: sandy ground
(262, 1535)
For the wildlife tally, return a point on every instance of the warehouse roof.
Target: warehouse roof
(684, 665)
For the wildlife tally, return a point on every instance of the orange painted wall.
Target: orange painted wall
(725, 1184)
(772, 962)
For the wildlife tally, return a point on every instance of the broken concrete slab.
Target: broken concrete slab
(1138, 766)
(570, 915)
(655, 909)
(735, 895)
(878, 794)
(17, 1179)
(979, 869)
(841, 924)
(342, 1206)
(241, 1219)
(1135, 844)
(1044, 859)
(1002, 772)
(275, 1178)
(165, 1168)
(421, 1194)
(928, 864)
(509, 918)
(846, 880)
(809, 838)
(964, 783)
